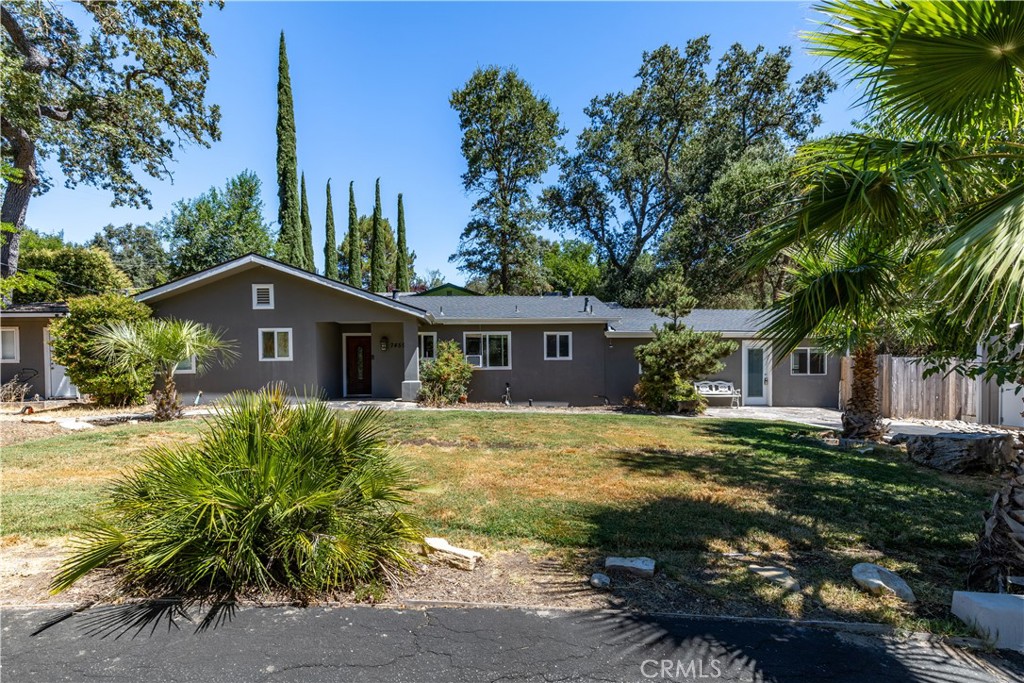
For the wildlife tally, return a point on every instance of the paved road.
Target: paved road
(367, 644)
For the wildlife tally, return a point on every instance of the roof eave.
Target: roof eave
(156, 293)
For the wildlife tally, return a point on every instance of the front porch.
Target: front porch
(373, 360)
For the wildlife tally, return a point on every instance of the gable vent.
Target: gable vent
(263, 296)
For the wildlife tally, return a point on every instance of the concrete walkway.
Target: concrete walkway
(440, 645)
(829, 419)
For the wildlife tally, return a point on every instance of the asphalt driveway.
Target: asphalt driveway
(159, 643)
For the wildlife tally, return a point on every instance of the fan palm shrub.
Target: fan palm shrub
(937, 164)
(163, 344)
(273, 498)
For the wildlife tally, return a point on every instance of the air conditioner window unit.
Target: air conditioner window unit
(476, 361)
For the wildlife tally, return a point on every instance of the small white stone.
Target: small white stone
(637, 566)
(777, 575)
(880, 581)
(74, 425)
(599, 580)
(458, 557)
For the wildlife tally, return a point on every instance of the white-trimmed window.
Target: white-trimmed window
(10, 350)
(808, 361)
(186, 367)
(488, 350)
(428, 345)
(275, 343)
(558, 346)
(262, 297)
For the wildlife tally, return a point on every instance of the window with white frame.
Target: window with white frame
(275, 343)
(186, 367)
(808, 361)
(488, 350)
(9, 349)
(428, 345)
(558, 346)
(263, 296)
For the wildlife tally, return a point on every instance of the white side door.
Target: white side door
(757, 374)
(1011, 403)
(57, 383)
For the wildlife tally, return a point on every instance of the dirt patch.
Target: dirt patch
(28, 566)
(503, 577)
(14, 430)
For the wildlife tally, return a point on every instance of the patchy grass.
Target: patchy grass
(687, 492)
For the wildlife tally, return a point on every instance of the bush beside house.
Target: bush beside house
(445, 379)
(71, 341)
(678, 356)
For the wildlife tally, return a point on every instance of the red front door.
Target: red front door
(357, 366)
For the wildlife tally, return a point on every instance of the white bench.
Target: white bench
(718, 389)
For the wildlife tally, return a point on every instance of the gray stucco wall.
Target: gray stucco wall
(787, 390)
(30, 343)
(317, 317)
(821, 391)
(580, 381)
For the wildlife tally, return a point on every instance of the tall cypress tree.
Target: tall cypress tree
(355, 256)
(289, 246)
(402, 256)
(330, 240)
(378, 260)
(307, 232)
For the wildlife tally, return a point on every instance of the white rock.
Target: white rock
(599, 580)
(74, 425)
(999, 617)
(777, 575)
(637, 566)
(880, 581)
(458, 557)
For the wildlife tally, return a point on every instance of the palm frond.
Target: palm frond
(981, 269)
(950, 69)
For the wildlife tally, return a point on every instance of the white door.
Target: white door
(57, 383)
(757, 374)
(1011, 403)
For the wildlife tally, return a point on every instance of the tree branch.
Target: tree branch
(35, 61)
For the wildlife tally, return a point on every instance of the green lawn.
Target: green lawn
(584, 485)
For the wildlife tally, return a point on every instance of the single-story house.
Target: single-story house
(317, 334)
(25, 350)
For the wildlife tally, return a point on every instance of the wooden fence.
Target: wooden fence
(904, 393)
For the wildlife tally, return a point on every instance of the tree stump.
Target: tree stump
(959, 453)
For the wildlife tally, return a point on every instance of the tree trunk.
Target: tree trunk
(862, 419)
(17, 195)
(167, 405)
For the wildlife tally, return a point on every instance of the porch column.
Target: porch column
(411, 356)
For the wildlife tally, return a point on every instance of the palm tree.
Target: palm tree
(163, 343)
(938, 164)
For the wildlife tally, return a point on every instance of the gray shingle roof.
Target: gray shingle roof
(42, 308)
(701, 319)
(452, 308)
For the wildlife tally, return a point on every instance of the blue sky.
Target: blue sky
(371, 83)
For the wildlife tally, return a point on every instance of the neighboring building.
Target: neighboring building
(321, 335)
(448, 289)
(25, 350)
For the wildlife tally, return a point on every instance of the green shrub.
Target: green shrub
(445, 379)
(273, 497)
(667, 393)
(678, 355)
(72, 339)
